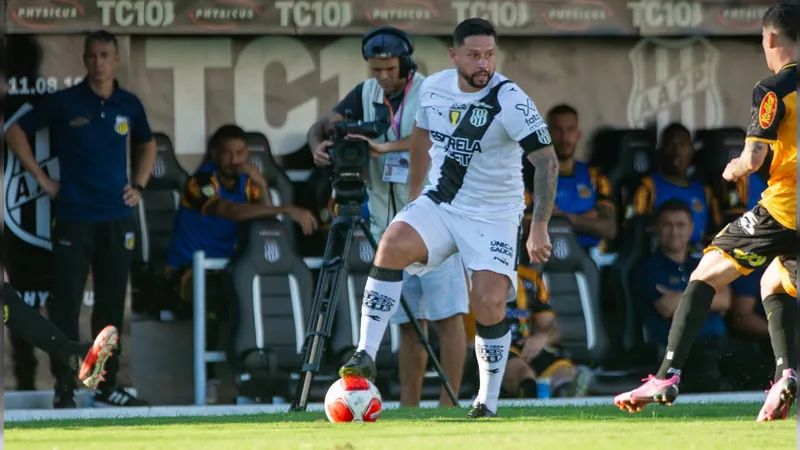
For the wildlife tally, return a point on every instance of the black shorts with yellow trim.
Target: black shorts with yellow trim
(547, 362)
(753, 240)
(788, 268)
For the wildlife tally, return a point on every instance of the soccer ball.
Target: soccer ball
(353, 399)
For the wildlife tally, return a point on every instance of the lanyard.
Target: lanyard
(396, 118)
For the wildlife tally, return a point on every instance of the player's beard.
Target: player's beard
(470, 79)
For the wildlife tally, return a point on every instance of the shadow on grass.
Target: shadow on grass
(693, 412)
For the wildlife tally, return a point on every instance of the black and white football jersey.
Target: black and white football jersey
(476, 159)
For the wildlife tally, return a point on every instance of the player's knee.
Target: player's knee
(715, 270)
(771, 282)
(399, 247)
(489, 308)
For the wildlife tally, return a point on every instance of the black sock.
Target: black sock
(28, 324)
(687, 321)
(527, 388)
(781, 314)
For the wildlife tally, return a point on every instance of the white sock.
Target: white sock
(492, 358)
(381, 299)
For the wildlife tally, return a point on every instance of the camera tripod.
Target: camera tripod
(323, 308)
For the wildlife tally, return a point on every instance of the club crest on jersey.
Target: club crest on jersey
(27, 208)
(130, 240)
(121, 126)
(455, 116)
(479, 117)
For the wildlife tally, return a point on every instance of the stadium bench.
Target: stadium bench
(280, 186)
(155, 215)
(271, 288)
(573, 280)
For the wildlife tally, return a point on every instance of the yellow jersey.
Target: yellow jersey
(773, 120)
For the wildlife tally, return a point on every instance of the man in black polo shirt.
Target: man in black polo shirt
(91, 125)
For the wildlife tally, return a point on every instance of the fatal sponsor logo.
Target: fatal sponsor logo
(766, 112)
(45, 14)
(402, 14)
(577, 15)
(222, 15)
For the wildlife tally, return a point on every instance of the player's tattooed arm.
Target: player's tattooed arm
(753, 156)
(751, 159)
(545, 179)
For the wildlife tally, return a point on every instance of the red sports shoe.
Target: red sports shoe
(652, 391)
(779, 398)
(93, 367)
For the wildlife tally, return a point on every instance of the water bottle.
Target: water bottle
(543, 388)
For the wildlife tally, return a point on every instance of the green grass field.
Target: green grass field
(680, 427)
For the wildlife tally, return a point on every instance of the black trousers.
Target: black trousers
(106, 247)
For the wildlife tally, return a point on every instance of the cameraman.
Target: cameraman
(440, 296)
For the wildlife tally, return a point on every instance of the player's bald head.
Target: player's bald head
(782, 19)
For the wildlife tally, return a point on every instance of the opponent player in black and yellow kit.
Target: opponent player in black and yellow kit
(767, 234)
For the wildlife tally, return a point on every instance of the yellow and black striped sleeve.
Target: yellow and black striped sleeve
(200, 191)
(253, 192)
(602, 189)
(644, 197)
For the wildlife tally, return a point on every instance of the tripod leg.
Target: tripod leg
(423, 340)
(323, 310)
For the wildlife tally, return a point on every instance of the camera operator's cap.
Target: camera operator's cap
(385, 45)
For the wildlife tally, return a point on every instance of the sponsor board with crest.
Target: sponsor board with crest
(350, 17)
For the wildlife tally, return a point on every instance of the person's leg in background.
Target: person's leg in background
(519, 380)
(25, 363)
(73, 246)
(412, 358)
(566, 379)
(111, 267)
(446, 296)
(779, 293)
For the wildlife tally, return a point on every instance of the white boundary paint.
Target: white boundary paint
(27, 415)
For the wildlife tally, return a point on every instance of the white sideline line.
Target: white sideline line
(27, 415)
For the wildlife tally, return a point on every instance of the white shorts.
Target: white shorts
(440, 294)
(483, 245)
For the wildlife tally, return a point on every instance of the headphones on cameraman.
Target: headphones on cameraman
(407, 64)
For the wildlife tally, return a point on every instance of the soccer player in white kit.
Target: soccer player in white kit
(472, 128)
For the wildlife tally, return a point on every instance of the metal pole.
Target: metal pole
(199, 301)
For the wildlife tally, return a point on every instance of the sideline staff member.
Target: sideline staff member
(90, 125)
(440, 296)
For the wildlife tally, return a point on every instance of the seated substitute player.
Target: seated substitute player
(34, 328)
(766, 233)
(672, 182)
(474, 124)
(659, 281)
(535, 341)
(583, 195)
(225, 191)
